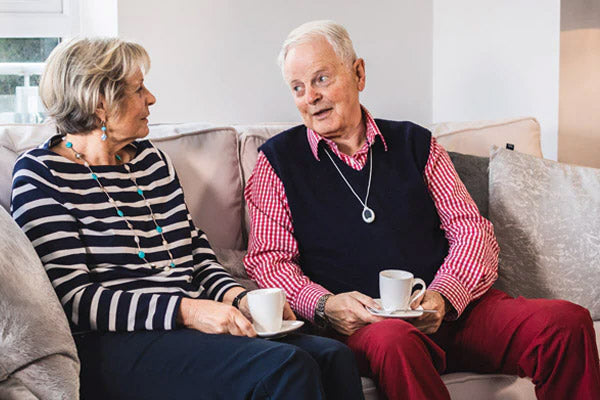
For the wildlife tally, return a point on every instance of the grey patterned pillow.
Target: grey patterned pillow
(546, 217)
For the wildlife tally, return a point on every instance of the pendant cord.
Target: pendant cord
(364, 204)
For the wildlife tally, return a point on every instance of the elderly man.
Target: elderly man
(338, 199)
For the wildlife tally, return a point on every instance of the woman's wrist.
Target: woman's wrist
(231, 294)
(183, 314)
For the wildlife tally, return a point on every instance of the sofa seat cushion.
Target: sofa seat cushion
(546, 216)
(38, 355)
(466, 385)
(477, 137)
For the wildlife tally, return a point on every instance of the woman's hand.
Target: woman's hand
(288, 314)
(209, 316)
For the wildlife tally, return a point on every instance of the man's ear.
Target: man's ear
(359, 71)
(101, 109)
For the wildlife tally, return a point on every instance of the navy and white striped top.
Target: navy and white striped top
(89, 252)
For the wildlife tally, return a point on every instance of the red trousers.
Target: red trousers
(550, 341)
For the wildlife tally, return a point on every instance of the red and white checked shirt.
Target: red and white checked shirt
(468, 271)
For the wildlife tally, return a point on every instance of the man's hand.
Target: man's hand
(429, 323)
(288, 314)
(346, 312)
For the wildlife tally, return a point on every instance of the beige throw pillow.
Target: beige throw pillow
(546, 216)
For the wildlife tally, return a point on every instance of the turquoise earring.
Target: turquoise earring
(103, 137)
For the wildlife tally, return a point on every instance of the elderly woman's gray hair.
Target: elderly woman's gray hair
(81, 72)
(333, 32)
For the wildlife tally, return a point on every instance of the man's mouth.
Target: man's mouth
(322, 112)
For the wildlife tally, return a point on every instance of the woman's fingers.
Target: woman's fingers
(244, 326)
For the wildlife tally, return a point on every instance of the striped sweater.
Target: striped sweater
(90, 254)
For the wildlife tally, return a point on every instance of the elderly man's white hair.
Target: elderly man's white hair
(333, 32)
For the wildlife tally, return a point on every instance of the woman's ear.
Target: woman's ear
(101, 109)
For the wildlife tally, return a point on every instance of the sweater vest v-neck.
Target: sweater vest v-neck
(337, 248)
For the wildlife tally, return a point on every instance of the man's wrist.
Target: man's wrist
(320, 317)
(448, 308)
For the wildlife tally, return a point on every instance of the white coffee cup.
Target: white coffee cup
(266, 308)
(395, 289)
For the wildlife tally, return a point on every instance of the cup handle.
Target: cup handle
(418, 281)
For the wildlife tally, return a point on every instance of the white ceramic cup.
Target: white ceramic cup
(266, 308)
(395, 289)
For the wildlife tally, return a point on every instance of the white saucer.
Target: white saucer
(395, 314)
(286, 327)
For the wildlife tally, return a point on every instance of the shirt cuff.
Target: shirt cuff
(307, 299)
(454, 291)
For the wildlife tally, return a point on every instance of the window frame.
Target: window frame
(63, 24)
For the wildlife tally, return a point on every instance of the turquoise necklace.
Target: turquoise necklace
(140, 253)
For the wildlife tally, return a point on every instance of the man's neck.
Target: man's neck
(350, 142)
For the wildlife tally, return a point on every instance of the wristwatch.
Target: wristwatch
(320, 318)
(238, 298)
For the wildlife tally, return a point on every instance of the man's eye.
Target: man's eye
(296, 88)
(322, 78)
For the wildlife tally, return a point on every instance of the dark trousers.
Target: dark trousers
(187, 364)
(551, 341)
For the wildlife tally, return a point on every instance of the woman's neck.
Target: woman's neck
(96, 151)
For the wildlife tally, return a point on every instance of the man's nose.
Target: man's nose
(312, 96)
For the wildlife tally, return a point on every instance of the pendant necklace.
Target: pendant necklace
(368, 215)
(140, 253)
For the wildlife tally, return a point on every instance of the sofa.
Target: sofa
(38, 357)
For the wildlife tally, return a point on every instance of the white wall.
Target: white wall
(215, 60)
(495, 59)
(99, 17)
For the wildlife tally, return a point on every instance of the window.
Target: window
(29, 31)
(21, 64)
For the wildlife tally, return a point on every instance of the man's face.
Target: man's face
(325, 89)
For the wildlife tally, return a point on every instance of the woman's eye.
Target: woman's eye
(296, 88)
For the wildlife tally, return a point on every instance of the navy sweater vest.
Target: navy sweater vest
(337, 248)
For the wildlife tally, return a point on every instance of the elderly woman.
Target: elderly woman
(153, 314)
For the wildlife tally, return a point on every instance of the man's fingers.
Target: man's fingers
(288, 314)
(416, 302)
(365, 300)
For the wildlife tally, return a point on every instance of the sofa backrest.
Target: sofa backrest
(477, 137)
(206, 159)
(214, 162)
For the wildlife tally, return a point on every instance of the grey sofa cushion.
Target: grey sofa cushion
(38, 358)
(546, 217)
(473, 171)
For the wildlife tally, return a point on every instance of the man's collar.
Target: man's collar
(372, 132)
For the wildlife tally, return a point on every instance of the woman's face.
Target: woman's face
(132, 119)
